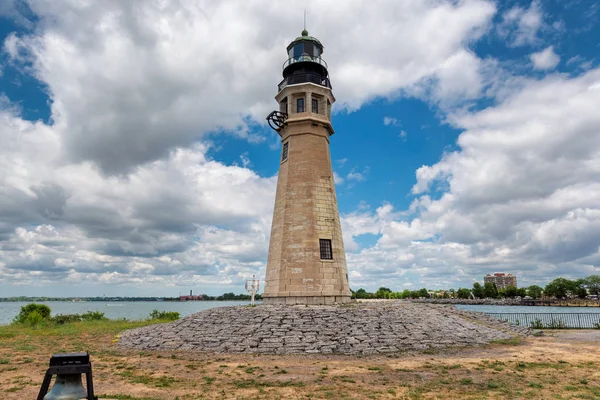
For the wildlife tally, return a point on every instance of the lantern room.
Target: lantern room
(304, 63)
(305, 45)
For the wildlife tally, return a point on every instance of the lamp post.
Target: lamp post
(252, 287)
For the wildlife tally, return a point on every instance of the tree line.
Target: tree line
(232, 296)
(223, 297)
(559, 288)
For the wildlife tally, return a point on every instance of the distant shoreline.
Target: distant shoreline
(108, 299)
(514, 302)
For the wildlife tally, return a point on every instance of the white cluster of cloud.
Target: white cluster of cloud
(520, 26)
(118, 187)
(545, 59)
(522, 194)
(129, 81)
(391, 121)
(183, 218)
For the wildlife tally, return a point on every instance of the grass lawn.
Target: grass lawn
(563, 365)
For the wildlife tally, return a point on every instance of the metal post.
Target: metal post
(252, 287)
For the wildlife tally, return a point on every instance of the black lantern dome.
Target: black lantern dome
(304, 63)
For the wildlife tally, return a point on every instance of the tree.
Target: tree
(560, 288)
(521, 292)
(463, 293)
(489, 290)
(383, 293)
(592, 283)
(580, 290)
(361, 294)
(423, 293)
(477, 290)
(534, 291)
(229, 296)
(33, 313)
(510, 292)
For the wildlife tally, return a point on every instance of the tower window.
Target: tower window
(300, 105)
(284, 154)
(325, 247)
(315, 106)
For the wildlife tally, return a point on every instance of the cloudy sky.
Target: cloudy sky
(135, 159)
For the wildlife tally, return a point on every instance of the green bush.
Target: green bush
(34, 318)
(537, 324)
(556, 324)
(93, 316)
(165, 315)
(31, 313)
(61, 319)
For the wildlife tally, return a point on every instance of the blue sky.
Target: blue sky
(135, 157)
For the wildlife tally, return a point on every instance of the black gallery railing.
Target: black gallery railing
(304, 78)
(551, 320)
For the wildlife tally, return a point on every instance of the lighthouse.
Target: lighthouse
(306, 262)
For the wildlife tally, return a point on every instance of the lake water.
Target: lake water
(132, 310)
(135, 310)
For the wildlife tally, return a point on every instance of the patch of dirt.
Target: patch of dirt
(561, 365)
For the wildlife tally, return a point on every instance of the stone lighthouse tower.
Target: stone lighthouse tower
(306, 263)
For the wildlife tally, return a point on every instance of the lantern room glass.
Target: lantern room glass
(305, 48)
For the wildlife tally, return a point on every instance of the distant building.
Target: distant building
(191, 297)
(501, 280)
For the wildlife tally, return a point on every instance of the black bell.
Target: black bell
(68, 369)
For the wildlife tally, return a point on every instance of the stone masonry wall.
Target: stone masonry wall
(352, 329)
(306, 211)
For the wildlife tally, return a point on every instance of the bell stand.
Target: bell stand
(71, 363)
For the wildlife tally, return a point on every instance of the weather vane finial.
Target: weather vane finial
(304, 31)
(305, 19)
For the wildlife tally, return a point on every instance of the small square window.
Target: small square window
(300, 105)
(325, 247)
(315, 106)
(284, 154)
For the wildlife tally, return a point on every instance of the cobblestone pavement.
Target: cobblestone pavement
(350, 329)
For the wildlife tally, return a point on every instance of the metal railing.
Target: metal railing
(551, 320)
(303, 78)
(305, 58)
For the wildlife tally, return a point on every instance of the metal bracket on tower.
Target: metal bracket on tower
(277, 119)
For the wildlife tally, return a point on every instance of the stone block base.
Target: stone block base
(316, 300)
